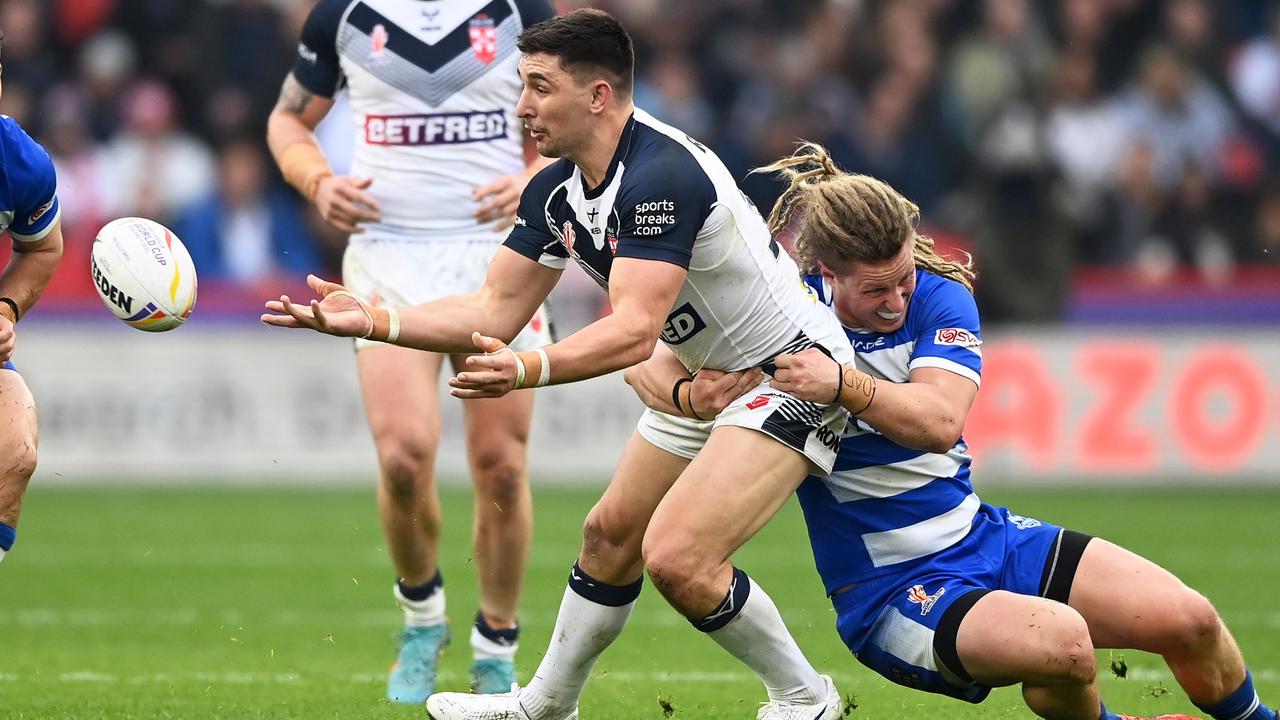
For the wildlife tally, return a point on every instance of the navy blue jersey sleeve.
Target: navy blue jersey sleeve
(947, 332)
(533, 12)
(316, 68)
(662, 206)
(532, 237)
(33, 185)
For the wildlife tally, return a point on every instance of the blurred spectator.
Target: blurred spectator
(157, 169)
(885, 140)
(1177, 114)
(106, 64)
(995, 76)
(1085, 136)
(245, 231)
(1255, 77)
(672, 93)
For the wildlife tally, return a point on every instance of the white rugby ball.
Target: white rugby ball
(143, 274)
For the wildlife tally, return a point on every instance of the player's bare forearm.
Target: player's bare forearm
(642, 293)
(30, 269)
(446, 325)
(924, 414)
(606, 345)
(514, 288)
(653, 379)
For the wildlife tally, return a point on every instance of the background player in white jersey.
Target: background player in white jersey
(658, 221)
(439, 165)
(29, 210)
(934, 589)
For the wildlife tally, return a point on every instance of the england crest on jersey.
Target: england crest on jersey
(484, 38)
(378, 45)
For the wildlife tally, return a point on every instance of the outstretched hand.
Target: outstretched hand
(338, 312)
(490, 375)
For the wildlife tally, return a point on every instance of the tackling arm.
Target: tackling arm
(925, 413)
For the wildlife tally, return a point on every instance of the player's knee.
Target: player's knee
(20, 459)
(498, 476)
(674, 567)
(1196, 623)
(1070, 648)
(406, 466)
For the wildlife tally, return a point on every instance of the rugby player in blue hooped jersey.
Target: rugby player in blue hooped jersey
(658, 221)
(29, 210)
(934, 589)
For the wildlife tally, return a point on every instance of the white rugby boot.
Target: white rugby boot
(830, 708)
(466, 706)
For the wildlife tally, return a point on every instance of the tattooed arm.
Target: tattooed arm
(341, 200)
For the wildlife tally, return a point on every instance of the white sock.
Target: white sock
(1, 555)
(757, 636)
(421, 613)
(584, 628)
(482, 648)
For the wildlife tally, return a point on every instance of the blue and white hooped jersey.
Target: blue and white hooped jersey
(434, 87)
(884, 505)
(28, 185)
(668, 198)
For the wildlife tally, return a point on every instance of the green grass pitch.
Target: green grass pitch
(275, 603)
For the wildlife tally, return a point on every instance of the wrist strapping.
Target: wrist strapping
(539, 362)
(856, 390)
(303, 166)
(384, 323)
(520, 371)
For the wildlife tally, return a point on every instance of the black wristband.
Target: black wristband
(839, 382)
(12, 305)
(675, 394)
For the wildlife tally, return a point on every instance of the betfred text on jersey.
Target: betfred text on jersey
(439, 129)
(118, 298)
(682, 324)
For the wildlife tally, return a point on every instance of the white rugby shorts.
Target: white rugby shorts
(811, 429)
(399, 272)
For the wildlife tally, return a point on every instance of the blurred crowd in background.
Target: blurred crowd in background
(1048, 138)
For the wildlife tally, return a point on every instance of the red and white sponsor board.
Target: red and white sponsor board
(262, 405)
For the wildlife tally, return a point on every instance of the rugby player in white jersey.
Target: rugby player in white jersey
(437, 174)
(29, 210)
(933, 588)
(659, 223)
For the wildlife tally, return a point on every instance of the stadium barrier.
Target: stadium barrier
(256, 405)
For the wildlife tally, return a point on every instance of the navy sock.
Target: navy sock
(1243, 704)
(8, 535)
(1104, 714)
(603, 593)
(730, 606)
(505, 636)
(419, 593)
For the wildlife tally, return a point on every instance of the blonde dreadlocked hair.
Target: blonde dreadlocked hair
(850, 217)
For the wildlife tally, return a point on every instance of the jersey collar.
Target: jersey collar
(624, 147)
